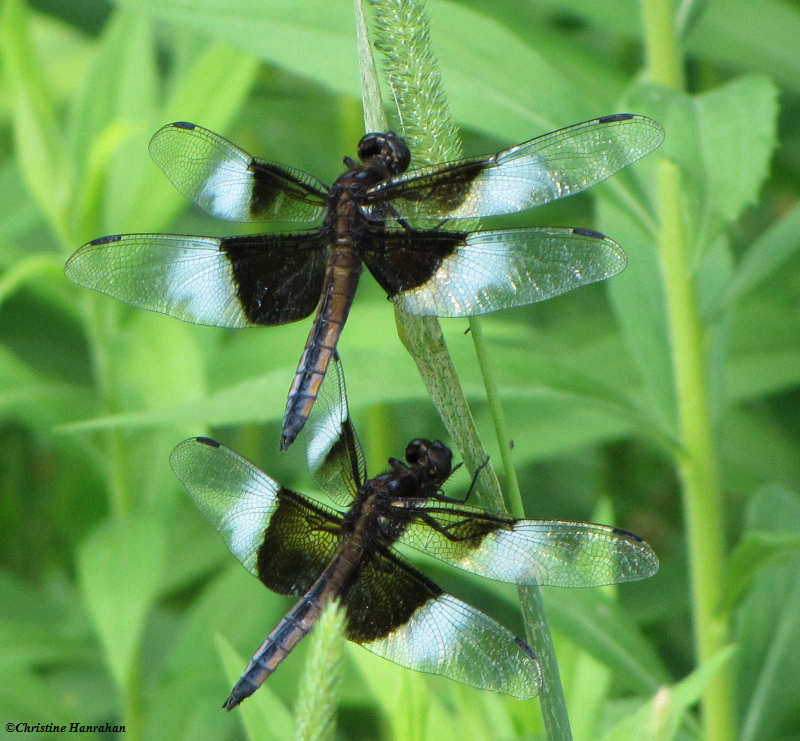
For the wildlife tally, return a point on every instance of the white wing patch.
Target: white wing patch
(495, 270)
(200, 287)
(449, 637)
(226, 191)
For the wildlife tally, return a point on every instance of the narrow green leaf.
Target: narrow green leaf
(589, 680)
(120, 567)
(764, 257)
(25, 269)
(773, 707)
(590, 691)
(402, 695)
(230, 74)
(134, 103)
(688, 13)
(97, 125)
(23, 694)
(749, 36)
(602, 628)
(659, 719)
(314, 38)
(263, 714)
(763, 362)
(38, 140)
(767, 629)
(755, 551)
(638, 300)
(491, 94)
(739, 34)
(29, 646)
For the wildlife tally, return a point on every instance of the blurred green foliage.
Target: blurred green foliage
(119, 603)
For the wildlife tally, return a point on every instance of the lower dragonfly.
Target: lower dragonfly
(300, 547)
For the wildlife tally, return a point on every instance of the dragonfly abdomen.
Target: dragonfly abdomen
(339, 289)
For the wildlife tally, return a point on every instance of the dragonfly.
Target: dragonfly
(298, 546)
(399, 222)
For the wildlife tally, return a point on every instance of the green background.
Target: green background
(119, 603)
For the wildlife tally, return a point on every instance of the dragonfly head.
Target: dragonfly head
(390, 149)
(434, 457)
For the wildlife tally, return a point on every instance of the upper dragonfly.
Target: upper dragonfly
(371, 214)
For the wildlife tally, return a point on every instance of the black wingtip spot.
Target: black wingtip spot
(588, 233)
(628, 535)
(184, 125)
(106, 240)
(525, 647)
(615, 117)
(207, 441)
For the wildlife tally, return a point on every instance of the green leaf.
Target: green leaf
(33, 399)
(403, 695)
(190, 684)
(315, 38)
(688, 13)
(23, 694)
(157, 362)
(736, 34)
(723, 140)
(38, 140)
(218, 67)
(660, 718)
(755, 551)
(764, 256)
(263, 714)
(120, 567)
(602, 628)
(638, 300)
(764, 356)
(24, 270)
(489, 94)
(767, 628)
(111, 107)
(590, 688)
(134, 105)
(36, 630)
(750, 36)
(754, 449)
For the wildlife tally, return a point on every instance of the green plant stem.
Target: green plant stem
(513, 494)
(418, 94)
(702, 499)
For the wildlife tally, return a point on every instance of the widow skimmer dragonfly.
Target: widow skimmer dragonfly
(373, 214)
(297, 546)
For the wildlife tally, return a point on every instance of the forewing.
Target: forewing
(533, 173)
(544, 552)
(229, 183)
(263, 279)
(282, 537)
(455, 274)
(401, 615)
(333, 451)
